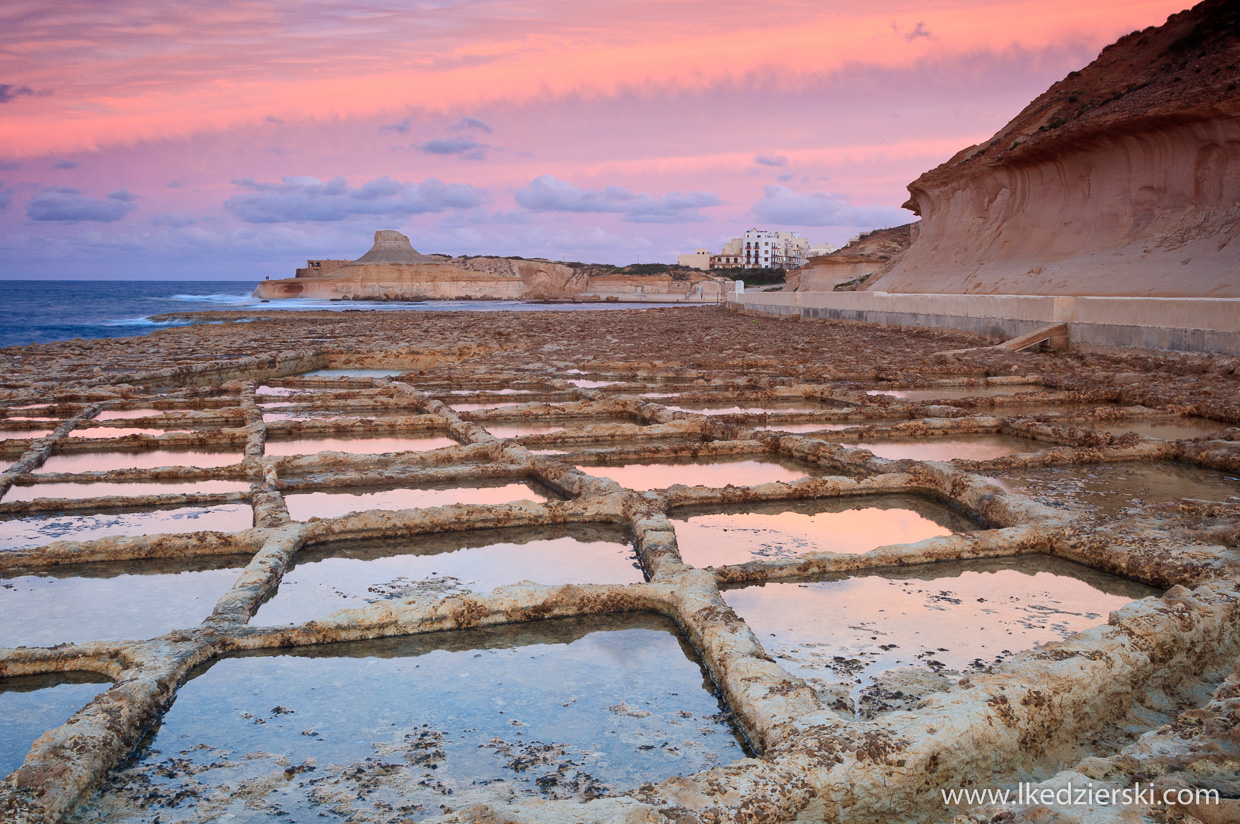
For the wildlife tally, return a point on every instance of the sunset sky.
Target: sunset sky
(233, 140)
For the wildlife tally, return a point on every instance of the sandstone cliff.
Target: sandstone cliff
(394, 270)
(863, 256)
(1121, 179)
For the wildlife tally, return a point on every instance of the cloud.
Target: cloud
(784, 207)
(9, 92)
(173, 220)
(400, 128)
(770, 160)
(465, 147)
(64, 164)
(6, 196)
(61, 204)
(308, 199)
(271, 118)
(549, 194)
(8, 165)
(472, 123)
(919, 30)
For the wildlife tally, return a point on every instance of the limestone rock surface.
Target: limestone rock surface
(1121, 179)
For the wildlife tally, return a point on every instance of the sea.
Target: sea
(43, 311)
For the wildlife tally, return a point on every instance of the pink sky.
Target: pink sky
(234, 139)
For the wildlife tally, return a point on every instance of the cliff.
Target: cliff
(394, 270)
(1121, 179)
(863, 256)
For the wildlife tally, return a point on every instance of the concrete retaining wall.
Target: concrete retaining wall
(1180, 324)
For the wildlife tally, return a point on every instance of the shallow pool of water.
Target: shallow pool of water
(392, 729)
(803, 428)
(14, 434)
(360, 445)
(110, 601)
(1168, 430)
(764, 408)
(642, 475)
(354, 373)
(36, 530)
(305, 505)
(117, 432)
(474, 407)
(30, 705)
(967, 447)
(146, 459)
(102, 489)
(126, 414)
(1109, 489)
(739, 533)
(951, 617)
(954, 392)
(583, 383)
(336, 576)
(518, 430)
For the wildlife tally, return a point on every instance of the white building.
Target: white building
(765, 249)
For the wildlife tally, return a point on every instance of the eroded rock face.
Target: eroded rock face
(394, 270)
(863, 256)
(1121, 179)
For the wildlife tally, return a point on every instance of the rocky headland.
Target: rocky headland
(1121, 179)
(394, 270)
(847, 266)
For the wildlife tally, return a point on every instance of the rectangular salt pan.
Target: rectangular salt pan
(103, 489)
(355, 574)
(113, 601)
(740, 533)
(950, 447)
(644, 475)
(955, 392)
(358, 445)
(305, 505)
(149, 459)
(927, 624)
(567, 709)
(30, 531)
(30, 705)
(1109, 489)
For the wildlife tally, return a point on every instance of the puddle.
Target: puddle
(1167, 430)
(737, 534)
(354, 373)
(660, 395)
(934, 619)
(474, 407)
(13, 434)
(1031, 409)
(309, 414)
(102, 489)
(111, 601)
(704, 472)
(30, 705)
(490, 391)
(803, 428)
(147, 459)
(765, 409)
(305, 505)
(126, 414)
(280, 391)
(36, 530)
(1109, 489)
(572, 708)
(361, 445)
(967, 447)
(955, 392)
(352, 575)
(582, 383)
(506, 430)
(582, 446)
(118, 432)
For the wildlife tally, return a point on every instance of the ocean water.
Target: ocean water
(42, 311)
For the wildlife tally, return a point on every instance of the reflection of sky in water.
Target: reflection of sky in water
(744, 472)
(149, 459)
(1179, 429)
(13, 434)
(354, 373)
(473, 407)
(35, 530)
(302, 506)
(1108, 489)
(583, 383)
(110, 601)
(101, 489)
(851, 630)
(788, 529)
(126, 414)
(969, 447)
(117, 432)
(356, 446)
(30, 705)
(766, 407)
(613, 702)
(339, 576)
(802, 428)
(947, 392)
